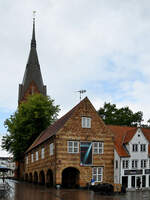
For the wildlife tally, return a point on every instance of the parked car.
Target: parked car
(103, 188)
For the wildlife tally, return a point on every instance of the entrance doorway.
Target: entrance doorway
(144, 181)
(125, 181)
(70, 177)
(133, 181)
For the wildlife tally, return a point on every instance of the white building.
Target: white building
(131, 156)
(8, 163)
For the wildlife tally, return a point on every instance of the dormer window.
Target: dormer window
(86, 122)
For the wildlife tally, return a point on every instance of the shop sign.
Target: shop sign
(147, 171)
(133, 172)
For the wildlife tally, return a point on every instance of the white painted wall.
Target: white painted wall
(116, 171)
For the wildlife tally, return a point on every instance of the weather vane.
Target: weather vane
(34, 12)
(81, 92)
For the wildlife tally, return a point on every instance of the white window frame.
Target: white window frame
(97, 174)
(32, 157)
(143, 147)
(134, 164)
(125, 164)
(42, 153)
(143, 163)
(51, 149)
(73, 146)
(27, 160)
(86, 122)
(134, 147)
(37, 155)
(98, 147)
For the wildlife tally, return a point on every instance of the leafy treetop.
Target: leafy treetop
(119, 116)
(30, 119)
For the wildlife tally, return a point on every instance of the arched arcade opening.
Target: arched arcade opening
(35, 177)
(30, 177)
(49, 178)
(42, 178)
(26, 177)
(70, 177)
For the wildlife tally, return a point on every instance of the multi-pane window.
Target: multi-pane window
(42, 153)
(143, 147)
(73, 146)
(51, 149)
(32, 157)
(97, 174)
(27, 160)
(37, 155)
(134, 147)
(98, 147)
(143, 163)
(86, 122)
(125, 164)
(134, 163)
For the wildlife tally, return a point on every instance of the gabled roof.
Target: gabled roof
(54, 128)
(32, 71)
(119, 135)
(123, 135)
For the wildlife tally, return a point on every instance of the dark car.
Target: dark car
(103, 188)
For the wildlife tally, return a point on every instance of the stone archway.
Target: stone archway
(35, 177)
(30, 177)
(42, 178)
(49, 178)
(70, 177)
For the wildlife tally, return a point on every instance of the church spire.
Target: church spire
(33, 41)
(32, 80)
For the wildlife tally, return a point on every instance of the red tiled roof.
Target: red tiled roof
(119, 136)
(53, 129)
(123, 135)
(129, 135)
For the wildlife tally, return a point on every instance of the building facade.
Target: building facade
(75, 149)
(131, 157)
(8, 163)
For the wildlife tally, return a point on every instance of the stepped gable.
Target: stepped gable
(54, 128)
(32, 75)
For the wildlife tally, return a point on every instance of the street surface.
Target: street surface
(27, 191)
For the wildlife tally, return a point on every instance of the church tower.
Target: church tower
(32, 80)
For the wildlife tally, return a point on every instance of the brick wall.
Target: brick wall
(72, 130)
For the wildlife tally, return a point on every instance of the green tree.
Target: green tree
(30, 119)
(122, 116)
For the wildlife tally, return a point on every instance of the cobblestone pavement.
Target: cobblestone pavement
(27, 191)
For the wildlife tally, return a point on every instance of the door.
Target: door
(144, 181)
(133, 181)
(125, 181)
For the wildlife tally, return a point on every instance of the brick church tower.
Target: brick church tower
(32, 80)
(32, 83)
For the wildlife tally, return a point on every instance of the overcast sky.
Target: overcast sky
(102, 46)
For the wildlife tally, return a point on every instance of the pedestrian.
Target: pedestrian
(138, 183)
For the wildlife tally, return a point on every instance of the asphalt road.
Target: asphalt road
(27, 191)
